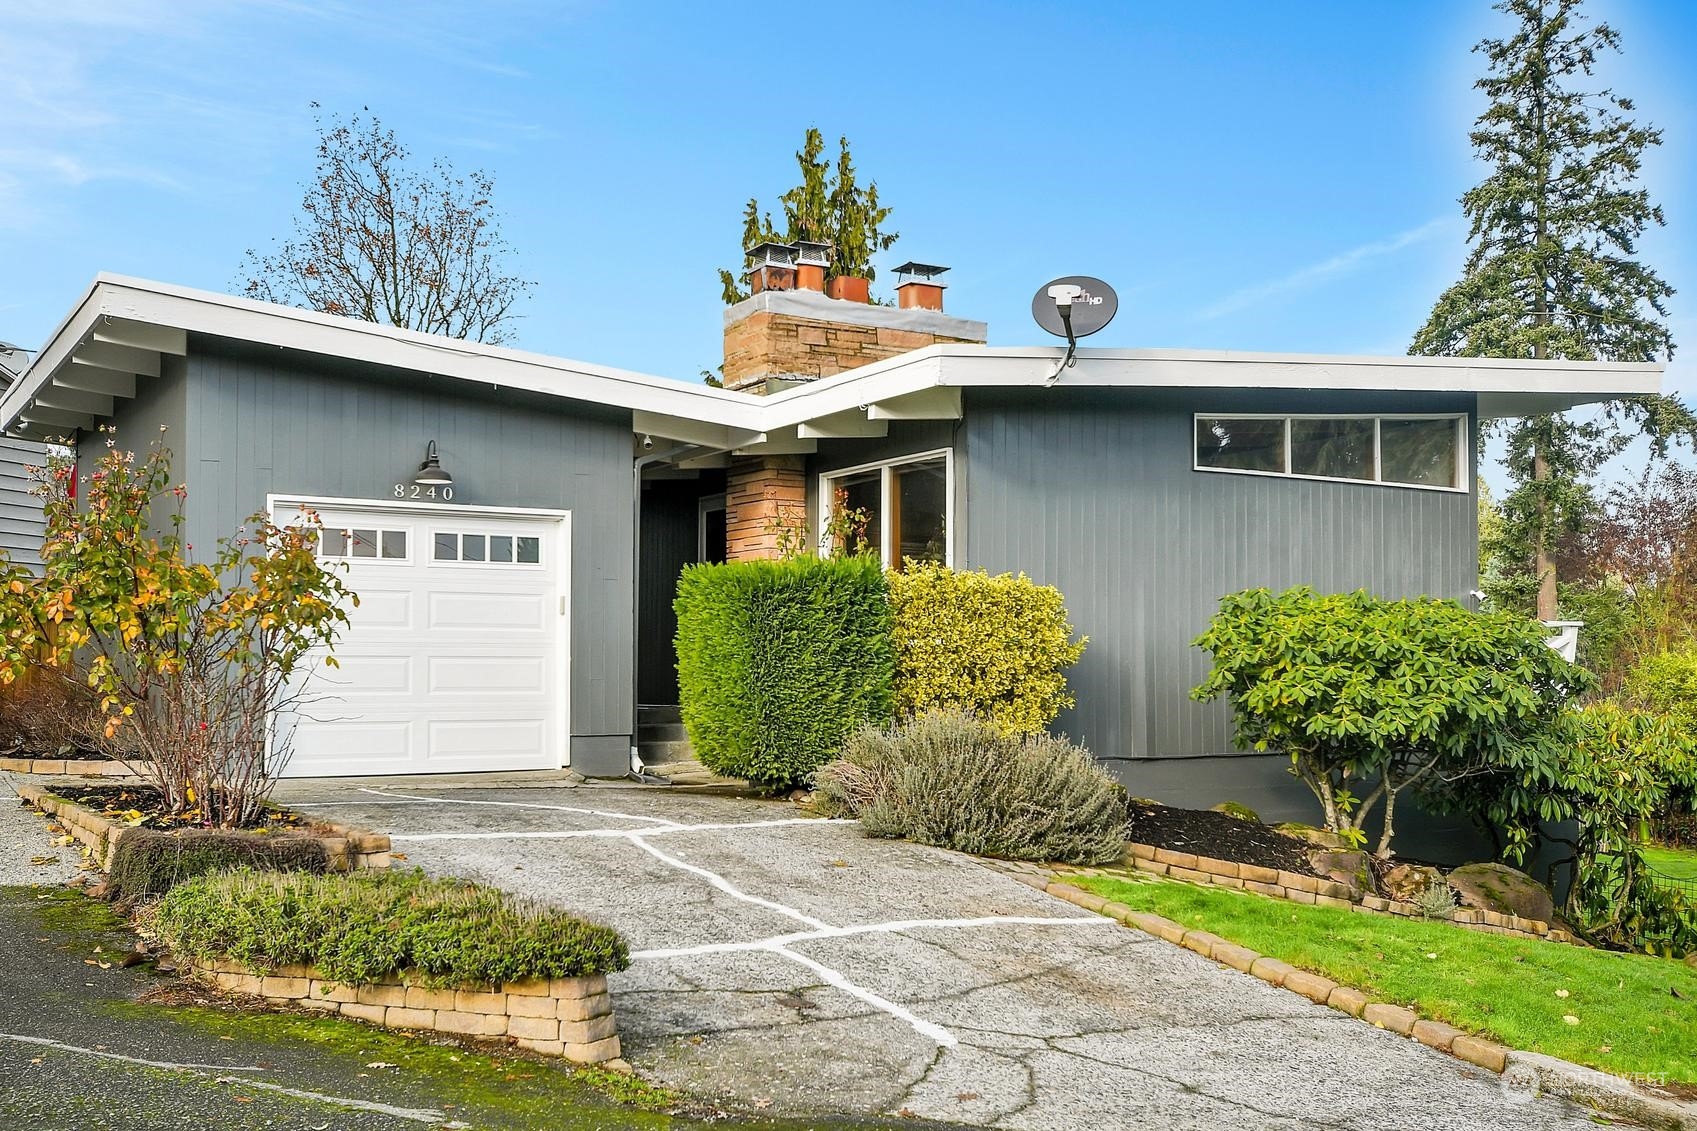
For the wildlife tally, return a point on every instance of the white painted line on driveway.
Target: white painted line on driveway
(725, 885)
(102, 1054)
(777, 942)
(520, 805)
(570, 834)
(836, 978)
(416, 1114)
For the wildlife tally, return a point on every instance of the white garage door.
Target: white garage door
(455, 659)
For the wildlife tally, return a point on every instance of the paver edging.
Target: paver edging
(1295, 888)
(77, 767)
(1556, 1076)
(348, 847)
(571, 1018)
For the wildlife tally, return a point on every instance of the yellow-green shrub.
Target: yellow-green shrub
(997, 647)
(1665, 684)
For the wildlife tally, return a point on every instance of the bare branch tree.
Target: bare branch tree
(381, 240)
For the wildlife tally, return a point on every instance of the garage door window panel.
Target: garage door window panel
(363, 543)
(486, 549)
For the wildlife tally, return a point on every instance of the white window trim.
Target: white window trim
(886, 485)
(1464, 460)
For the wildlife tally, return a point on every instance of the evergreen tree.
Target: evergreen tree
(1552, 271)
(828, 206)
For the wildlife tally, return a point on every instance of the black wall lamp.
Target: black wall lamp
(431, 473)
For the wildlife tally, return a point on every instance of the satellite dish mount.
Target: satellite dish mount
(1073, 307)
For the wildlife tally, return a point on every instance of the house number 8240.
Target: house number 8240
(416, 491)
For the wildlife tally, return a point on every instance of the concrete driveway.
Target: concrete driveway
(794, 964)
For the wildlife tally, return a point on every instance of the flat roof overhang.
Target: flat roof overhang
(122, 328)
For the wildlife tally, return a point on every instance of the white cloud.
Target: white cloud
(1340, 264)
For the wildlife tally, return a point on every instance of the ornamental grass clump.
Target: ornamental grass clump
(366, 926)
(954, 781)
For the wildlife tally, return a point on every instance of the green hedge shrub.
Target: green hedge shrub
(996, 647)
(951, 780)
(363, 926)
(779, 661)
(1666, 684)
(150, 863)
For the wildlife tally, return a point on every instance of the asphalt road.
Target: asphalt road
(78, 1052)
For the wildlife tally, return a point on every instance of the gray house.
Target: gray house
(515, 522)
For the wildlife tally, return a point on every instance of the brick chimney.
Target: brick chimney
(777, 338)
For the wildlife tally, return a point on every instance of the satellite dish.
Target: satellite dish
(1087, 303)
(1072, 307)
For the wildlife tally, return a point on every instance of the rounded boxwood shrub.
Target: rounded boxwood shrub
(995, 646)
(779, 661)
(954, 781)
(364, 926)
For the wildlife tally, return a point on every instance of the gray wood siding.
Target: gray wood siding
(21, 523)
(262, 422)
(1096, 494)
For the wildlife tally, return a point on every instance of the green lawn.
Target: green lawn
(1632, 1013)
(1680, 863)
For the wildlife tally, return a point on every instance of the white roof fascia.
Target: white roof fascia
(1505, 386)
(112, 296)
(1500, 382)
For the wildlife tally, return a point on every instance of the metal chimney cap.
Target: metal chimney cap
(770, 254)
(918, 272)
(813, 254)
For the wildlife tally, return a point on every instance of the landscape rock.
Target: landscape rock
(1319, 838)
(1241, 812)
(1344, 867)
(1405, 882)
(1499, 888)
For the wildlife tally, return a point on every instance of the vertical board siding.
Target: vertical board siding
(1095, 493)
(264, 422)
(21, 522)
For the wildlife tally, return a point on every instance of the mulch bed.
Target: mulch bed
(1207, 833)
(141, 806)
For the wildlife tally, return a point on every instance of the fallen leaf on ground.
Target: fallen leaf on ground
(1570, 1019)
(43, 861)
(1561, 993)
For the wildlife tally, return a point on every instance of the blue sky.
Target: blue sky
(1249, 176)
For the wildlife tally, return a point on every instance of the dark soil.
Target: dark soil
(143, 806)
(1207, 833)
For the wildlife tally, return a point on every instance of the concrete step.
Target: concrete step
(661, 732)
(647, 713)
(655, 753)
(688, 772)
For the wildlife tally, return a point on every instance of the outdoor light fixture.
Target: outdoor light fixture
(431, 473)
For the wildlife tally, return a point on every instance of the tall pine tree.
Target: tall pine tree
(1552, 271)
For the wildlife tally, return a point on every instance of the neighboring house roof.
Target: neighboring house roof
(117, 332)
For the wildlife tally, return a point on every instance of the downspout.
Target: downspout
(641, 464)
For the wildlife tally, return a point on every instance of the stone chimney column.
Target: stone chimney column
(779, 337)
